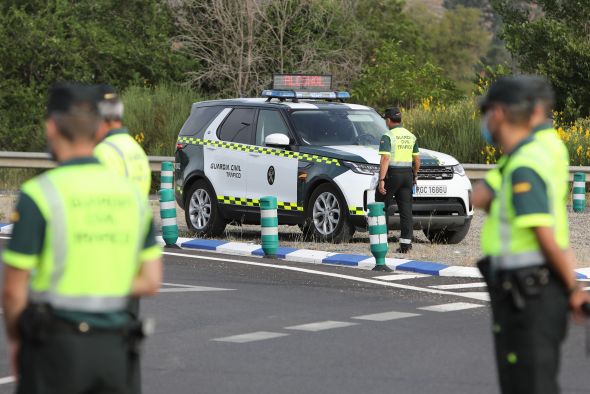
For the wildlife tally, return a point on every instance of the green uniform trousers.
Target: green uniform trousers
(528, 340)
(76, 363)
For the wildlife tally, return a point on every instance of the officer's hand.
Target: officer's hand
(578, 298)
(14, 348)
(381, 187)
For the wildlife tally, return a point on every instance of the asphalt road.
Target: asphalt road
(229, 324)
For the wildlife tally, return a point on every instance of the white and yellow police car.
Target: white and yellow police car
(317, 154)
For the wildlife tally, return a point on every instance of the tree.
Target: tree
(552, 38)
(393, 77)
(109, 41)
(239, 44)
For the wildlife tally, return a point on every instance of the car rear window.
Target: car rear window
(199, 119)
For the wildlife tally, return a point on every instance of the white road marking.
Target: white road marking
(330, 274)
(179, 288)
(321, 326)
(251, 337)
(459, 286)
(478, 295)
(386, 316)
(455, 306)
(399, 276)
(8, 379)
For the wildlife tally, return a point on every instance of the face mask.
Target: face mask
(485, 132)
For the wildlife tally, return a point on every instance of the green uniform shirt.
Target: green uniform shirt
(29, 246)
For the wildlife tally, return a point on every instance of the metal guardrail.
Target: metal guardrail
(43, 160)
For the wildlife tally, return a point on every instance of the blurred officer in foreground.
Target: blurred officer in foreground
(530, 275)
(399, 166)
(116, 148)
(82, 243)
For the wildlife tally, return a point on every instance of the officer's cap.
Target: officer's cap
(106, 93)
(64, 96)
(392, 113)
(510, 90)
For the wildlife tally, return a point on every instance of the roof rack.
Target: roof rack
(303, 86)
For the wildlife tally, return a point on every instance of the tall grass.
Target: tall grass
(154, 115)
(453, 129)
(12, 178)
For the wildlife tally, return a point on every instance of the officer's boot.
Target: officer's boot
(404, 248)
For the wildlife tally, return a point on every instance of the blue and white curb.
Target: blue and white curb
(350, 260)
(321, 257)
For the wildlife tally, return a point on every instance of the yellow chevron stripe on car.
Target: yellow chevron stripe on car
(356, 210)
(251, 202)
(258, 149)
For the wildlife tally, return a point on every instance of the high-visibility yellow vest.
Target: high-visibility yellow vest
(96, 226)
(120, 152)
(401, 148)
(507, 238)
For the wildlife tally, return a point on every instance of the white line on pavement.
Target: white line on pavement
(251, 337)
(330, 274)
(455, 306)
(400, 276)
(321, 326)
(386, 316)
(459, 286)
(189, 289)
(8, 379)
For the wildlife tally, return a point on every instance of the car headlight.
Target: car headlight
(459, 170)
(362, 168)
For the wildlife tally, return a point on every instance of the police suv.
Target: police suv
(317, 154)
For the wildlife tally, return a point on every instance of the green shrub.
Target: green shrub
(453, 129)
(155, 115)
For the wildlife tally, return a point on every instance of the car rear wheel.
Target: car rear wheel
(446, 236)
(327, 216)
(202, 211)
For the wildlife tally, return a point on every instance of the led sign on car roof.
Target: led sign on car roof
(302, 82)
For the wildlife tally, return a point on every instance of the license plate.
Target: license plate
(431, 190)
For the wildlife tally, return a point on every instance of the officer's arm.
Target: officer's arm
(20, 257)
(482, 196)
(416, 157)
(385, 152)
(14, 298)
(531, 208)
(149, 278)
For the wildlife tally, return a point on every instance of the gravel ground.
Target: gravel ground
(463, 254)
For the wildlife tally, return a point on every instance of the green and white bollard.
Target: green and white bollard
(269, 223)
(167, 175)
(378, 235)
(168, 206)
(579, 192)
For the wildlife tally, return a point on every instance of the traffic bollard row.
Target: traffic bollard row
(579, 192)
(168, 205)
(378, 235)
(269, 223)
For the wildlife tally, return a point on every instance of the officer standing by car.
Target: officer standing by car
(82, 243)
(116, 148)
(530, 275)
(398, 171)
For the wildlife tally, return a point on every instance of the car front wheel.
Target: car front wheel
(327, 216)
(446, 236)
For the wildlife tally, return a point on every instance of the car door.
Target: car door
(273, 170)
(226, 159)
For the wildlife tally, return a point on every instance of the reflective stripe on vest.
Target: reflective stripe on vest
(80, 303)
(518, 260)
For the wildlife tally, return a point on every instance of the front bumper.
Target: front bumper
(433, 213)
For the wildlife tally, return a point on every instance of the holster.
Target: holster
(522, 284)
(34, 323)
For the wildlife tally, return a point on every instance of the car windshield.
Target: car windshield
(338, 127)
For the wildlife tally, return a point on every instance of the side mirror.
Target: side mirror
(277, 139)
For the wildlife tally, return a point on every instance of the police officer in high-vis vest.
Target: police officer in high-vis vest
(82, 243)
(117, 149)
(530, 274)
(399, 166)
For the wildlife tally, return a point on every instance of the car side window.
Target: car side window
(269, 122)
(198, 120)
(238, 127)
